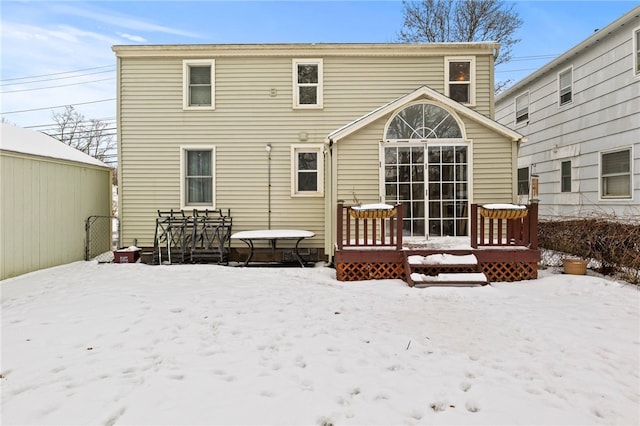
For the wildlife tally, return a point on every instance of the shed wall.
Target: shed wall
(44, 207)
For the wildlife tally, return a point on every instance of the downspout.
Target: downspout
(268, 149)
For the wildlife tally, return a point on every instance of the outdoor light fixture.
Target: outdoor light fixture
(268, 147)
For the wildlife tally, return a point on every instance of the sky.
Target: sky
(56, 53)
(135, 344)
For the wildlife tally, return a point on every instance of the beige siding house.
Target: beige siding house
(48, 190)
(280, 133)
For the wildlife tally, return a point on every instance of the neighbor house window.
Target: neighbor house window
(636, 51)
(460, 79)
(522, 108)
(615, 172)
(199, 84)
(565, 176)
(197, 175)
(565, 86)
(307, 170)
(523, 181)
(307, 83)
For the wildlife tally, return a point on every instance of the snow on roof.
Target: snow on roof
(25, 141)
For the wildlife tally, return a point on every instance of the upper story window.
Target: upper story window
(636, 52)
(522, 108)
(198, 78)
(615, 174)
(565, 176)
(307, 170)
(565, 86)
(197, 171)
(523, 181)
(307, 83)
(460, 75)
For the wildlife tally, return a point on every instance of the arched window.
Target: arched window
(423, 121)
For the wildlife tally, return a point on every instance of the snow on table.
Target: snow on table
(269, 234)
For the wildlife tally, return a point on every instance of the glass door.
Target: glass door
(447, 190)
(434, 203)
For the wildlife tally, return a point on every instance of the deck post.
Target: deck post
(340, 226)
(474, 225)
(533, 225)
(399, 226)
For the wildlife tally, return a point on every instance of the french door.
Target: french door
(431, 183)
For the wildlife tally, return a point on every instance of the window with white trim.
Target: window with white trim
(636, 52)
(197, 175)
(565, 176)
(523, 181)
(307, 168)
(460, 76)
(307, 83)
(615, 174)
(522, 108)
(198, 77)
(565, 86)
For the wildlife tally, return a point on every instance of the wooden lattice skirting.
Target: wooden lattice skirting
(495, 271)
(346, 271)
(510, 271)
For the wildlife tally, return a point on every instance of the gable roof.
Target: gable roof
(597, 37)
(25, 141)
(422, 92)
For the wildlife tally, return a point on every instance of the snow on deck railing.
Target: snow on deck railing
(381, 228)
(518, 226)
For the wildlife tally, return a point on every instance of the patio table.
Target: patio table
(272, 236)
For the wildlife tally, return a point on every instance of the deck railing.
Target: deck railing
(505, 232)
(355, 232)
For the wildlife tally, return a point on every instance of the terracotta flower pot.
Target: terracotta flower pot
(575, 266)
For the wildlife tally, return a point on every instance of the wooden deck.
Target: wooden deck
(505, 249)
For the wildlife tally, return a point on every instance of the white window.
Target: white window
(198, 77)
(197, 176)
(636, 52)
(307, 83)
(615, 174)
(460, 76)
(307, 168)
(522, 108)
(565, 86)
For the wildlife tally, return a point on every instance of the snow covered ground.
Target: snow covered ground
(89, 343)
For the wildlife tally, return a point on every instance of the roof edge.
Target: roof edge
(367, 119)
(594, 38)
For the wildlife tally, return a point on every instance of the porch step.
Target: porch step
(449, 279)
(443, 269)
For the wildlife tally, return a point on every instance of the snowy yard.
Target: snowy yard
(90, 343)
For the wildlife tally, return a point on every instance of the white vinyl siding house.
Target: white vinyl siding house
(47, 192)
(583, 126)
(273, 162)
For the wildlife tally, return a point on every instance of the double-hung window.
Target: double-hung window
(460, 76)
(565, 86)
(615, 174)
(523, 181)
(307, 83)
(636, 52)
(565, 176)
(522, 108)
(198, 78)
(307, 170)
(197, 173)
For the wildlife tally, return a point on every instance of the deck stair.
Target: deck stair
(443, 269)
